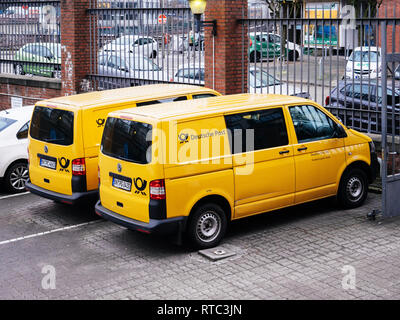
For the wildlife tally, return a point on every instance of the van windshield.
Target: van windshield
(127, 140)
(53, 126)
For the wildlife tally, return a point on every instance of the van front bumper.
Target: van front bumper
(72, 199)
(162, 226)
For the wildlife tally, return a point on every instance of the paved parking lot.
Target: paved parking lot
(298, 253)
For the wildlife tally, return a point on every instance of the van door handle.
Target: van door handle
(302, 149)
(284, 152)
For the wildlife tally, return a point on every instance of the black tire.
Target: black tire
(255, 56)
(19, 69)
(16, 177)
(206, 226)
(353, 188)
(293, 55)
(153, 55)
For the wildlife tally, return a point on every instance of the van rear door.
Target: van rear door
(54, 145)
(128, 167)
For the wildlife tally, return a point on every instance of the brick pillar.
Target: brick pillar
(75, 35)
(230, 57)
(391, 9)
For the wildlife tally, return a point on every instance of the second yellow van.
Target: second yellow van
(65, 135)
(193, 166)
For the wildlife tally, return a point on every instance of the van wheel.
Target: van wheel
(353, 188)
(16, 177)
(207, 226)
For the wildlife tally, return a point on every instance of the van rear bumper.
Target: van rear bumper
(72, 199)
(162, 226)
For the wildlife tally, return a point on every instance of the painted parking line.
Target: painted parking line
(14, 195)
(50, 231)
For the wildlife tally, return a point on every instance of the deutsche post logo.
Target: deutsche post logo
(100, 122)
(140, 185)
(183, 138)
(64, 164)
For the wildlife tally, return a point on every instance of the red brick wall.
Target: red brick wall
(391, 9)
(75, 39)
(228, 47)
(29, 94)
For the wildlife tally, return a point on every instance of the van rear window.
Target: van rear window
(127, 140)
(52, 125)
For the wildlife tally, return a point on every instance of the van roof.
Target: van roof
(116, 96)
(188, 108)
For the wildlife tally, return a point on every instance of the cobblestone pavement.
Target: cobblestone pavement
(296, 253)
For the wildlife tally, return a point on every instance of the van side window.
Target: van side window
(268, 127)
(311, 124)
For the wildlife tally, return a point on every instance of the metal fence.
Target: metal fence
(30, 38)
(330, 53)
(142, 42)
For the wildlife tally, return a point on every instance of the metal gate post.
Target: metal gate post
(384, 118)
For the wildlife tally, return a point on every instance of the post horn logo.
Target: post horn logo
(183, 138)
(100, 122)
(64, 164)
(46, 149)
(140, 185)
(119, 167)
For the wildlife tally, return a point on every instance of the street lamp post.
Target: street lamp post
(198, 7)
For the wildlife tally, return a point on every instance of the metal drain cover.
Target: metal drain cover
(216, 254)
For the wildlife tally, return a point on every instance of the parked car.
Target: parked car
(281, 151)
(268, 45)
(397, 73)
(364, 63)
(43, 59)
(138, 45)
(131, 70)
(260, 81)
(353, 101)
(14, 126)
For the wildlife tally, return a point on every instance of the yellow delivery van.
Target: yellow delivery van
(65, 135)
(193, 166)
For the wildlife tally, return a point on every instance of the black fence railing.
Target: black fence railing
(142, 42)
(331, 54)
(30, 38)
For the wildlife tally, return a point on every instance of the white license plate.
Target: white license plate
(48, 164)
(120, 184)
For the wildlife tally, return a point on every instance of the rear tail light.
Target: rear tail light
(327, 100)
(171, 80)
(157, 189)
(79, 167)
(251, 42)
